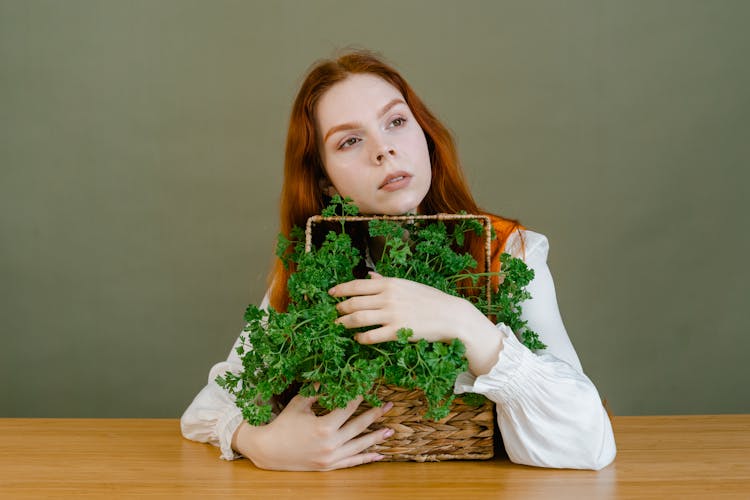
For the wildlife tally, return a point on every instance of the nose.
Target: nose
(382, 151)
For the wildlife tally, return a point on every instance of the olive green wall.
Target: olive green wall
(141, 149)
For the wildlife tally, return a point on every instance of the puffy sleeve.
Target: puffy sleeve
(213, 417)
(548, 411)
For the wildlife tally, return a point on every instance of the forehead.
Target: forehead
(357, 98)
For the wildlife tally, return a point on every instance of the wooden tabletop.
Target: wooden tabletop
(658, 457)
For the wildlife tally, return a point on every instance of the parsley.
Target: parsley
(304, 345)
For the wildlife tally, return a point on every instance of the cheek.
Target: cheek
(334, 169)
(341, 176)
(421, 151)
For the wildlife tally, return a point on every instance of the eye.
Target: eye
(398, 122)
(348, 142)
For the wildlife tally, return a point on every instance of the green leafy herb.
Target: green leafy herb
(340, 206)
(304, 345)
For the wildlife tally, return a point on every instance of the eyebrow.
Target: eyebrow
(352, 125)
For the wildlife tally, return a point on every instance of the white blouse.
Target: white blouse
(549, 413)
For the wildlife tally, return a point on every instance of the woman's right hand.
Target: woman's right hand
(299, 440)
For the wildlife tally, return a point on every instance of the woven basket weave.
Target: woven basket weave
(466, 433)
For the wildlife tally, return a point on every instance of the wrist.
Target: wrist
(467, 321)
(245, 440)
(481, 339)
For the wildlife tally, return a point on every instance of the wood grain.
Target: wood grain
(658, 457)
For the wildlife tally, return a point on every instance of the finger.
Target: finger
(376, 335)
(302, 403)
(358, 445)
(359, 424)
(339, 416)
(353, 461)
(358, 287)
(375, 275)
(361, 302)
(366, 317)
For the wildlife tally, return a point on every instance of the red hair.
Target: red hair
(301, 194)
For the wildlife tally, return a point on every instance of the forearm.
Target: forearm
(549, 414)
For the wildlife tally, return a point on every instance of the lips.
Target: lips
(394, 178)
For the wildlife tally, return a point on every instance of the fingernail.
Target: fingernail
(387, 406)
(378, 457)
(330, 292)
(388, 433)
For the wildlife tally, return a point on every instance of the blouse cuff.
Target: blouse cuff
(226, 426)
(503, 381)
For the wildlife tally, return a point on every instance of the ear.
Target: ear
(328, 189)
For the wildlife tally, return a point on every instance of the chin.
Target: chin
(401, 208)
(405, 203)
(387, 210)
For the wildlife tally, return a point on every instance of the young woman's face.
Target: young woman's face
(372, 148)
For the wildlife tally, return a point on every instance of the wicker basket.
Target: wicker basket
(466, 433)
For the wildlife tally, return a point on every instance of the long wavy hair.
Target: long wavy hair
(301, 193)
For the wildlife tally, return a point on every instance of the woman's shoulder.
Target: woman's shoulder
(517, 240)
(527, 245)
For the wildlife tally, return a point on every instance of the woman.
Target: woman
(358, 129)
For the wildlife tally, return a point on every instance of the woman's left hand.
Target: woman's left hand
(395, 303)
